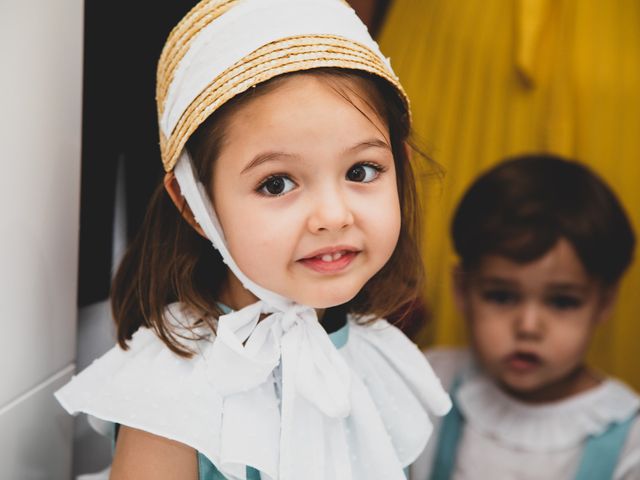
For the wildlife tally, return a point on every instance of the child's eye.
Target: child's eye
(500, 297)
(276, 185)
(364, 172)
(564, 302)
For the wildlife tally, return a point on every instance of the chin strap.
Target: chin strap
(248, 347)
(198, 200)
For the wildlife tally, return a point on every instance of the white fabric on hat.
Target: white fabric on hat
(246, 27)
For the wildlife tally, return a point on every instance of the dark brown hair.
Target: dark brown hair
(523, 206)
(168, 261)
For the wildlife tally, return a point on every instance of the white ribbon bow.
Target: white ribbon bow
(247, 350)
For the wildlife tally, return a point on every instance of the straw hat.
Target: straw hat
(221, 48)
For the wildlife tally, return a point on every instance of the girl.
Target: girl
(283, 134)
(543, 244)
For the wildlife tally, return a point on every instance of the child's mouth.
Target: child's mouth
(330, 262)
(523, 362)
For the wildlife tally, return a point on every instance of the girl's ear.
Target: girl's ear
(173, 189)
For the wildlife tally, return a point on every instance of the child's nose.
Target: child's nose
(330, 212)
(529, 322)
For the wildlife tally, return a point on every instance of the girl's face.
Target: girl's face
(531, 324)
(305, 190)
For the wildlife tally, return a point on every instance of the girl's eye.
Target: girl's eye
(364, 173)
(500, 297)
(564, 302)
(276, 185)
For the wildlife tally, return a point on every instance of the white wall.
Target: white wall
(40, 133)
(92, 452)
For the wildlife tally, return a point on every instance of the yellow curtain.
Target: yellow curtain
(493, 78)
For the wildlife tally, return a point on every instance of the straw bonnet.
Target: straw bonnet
(221, 48)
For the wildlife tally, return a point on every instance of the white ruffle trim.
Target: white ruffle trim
(548, 427)
(393, 389)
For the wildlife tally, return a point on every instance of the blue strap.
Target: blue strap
(340, 337)
(208, 471)
(601, 452)
(450, 432)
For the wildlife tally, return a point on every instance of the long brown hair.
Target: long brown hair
(169, 262)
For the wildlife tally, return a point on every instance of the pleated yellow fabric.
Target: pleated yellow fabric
(489, 79)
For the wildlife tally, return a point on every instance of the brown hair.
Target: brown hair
(523, 206)
(168, 261)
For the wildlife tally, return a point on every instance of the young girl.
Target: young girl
(283, 134)
(543, 244)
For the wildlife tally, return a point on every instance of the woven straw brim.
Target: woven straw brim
(283, 56)
(180, 40)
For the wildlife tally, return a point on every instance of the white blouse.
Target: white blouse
(392, 392)
(507, 439)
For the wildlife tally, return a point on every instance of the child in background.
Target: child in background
(543, 244)
(283, 134)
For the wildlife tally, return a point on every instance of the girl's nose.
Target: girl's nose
(331, 212)
(529, 322)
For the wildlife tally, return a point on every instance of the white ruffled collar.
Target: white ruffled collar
(391, 390)
(547, 427)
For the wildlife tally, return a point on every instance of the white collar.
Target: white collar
(391, 390)
(546, 427)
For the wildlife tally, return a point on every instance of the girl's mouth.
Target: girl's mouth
(523, 362)
(332, 261)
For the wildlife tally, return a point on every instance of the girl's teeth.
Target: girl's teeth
(328, 257)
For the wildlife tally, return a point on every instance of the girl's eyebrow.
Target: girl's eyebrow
(371, 143)
(265, 157)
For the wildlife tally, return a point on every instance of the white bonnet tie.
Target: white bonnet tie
(247, 348)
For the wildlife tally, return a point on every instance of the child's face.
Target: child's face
(531, 324)
(305, 190)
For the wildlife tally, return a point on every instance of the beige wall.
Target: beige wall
(40, 135)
